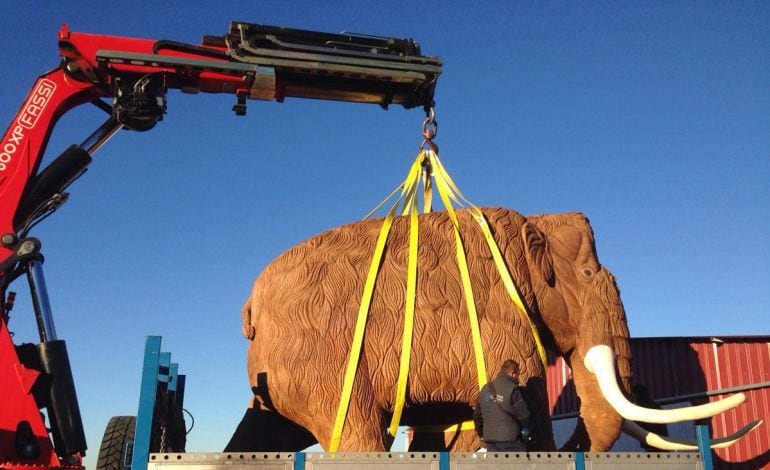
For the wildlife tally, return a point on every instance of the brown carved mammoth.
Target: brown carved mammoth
(302, 311)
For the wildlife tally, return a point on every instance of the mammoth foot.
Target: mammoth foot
(265, 430)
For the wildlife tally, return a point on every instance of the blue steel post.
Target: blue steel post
(164, 364)
(580, 461)
(299, 461)
(173, 373)
(147, 393)
(443, 461)
(704, 445)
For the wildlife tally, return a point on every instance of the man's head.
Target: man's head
(510, 368)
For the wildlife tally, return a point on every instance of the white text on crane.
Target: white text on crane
(28, 117)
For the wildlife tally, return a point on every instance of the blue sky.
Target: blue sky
(652, 118)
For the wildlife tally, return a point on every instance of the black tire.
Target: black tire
(117, 444)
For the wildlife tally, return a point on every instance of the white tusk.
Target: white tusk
(600, 360)
(668, 443)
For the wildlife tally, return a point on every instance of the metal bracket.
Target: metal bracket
(158, 373)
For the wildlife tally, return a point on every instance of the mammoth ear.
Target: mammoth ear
(536, 250)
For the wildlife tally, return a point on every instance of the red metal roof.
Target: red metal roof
(674, 367)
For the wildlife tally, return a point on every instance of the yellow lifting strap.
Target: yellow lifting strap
(505, 275)
(409, 300)
(448, 192)
(445, 192)
(407, 187)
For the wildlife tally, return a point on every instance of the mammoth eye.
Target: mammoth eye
(587, 272)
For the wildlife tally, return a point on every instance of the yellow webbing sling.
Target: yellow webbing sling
(409, 300)
(407, 188)
(448, 192)
(445, 192)
(505, 275)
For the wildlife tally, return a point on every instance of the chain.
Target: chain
(429, 131)
(162, 440)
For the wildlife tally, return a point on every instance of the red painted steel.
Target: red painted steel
(673, 367)
(85, 77)
(16, 385)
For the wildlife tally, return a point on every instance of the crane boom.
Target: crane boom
(128, 78)
(250, 61)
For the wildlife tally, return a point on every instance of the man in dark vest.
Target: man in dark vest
(501, 411)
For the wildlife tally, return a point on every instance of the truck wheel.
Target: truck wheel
(117, 444)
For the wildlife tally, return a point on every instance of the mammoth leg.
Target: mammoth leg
(364, 437)
(267, 430)
(263, 428)
(579, 441)
(364, 429)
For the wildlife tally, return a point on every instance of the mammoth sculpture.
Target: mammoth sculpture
(302, 311)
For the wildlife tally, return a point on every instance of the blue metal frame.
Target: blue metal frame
(146, 404)
(173, 370)
(704, 446)
(158, 372)
(574, 460)
(443, 461)
(580, 460)
(299, 461)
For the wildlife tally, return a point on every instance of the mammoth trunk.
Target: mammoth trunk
(599, 424)
(604, 323)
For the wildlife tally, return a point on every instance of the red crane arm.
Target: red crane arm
(251, 62)
(82, 78)
(128, 78)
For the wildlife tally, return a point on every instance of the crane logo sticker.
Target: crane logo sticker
(27, 120)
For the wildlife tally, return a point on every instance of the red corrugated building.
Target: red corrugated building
(691, 370)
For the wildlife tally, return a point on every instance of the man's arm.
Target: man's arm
(520, 409)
